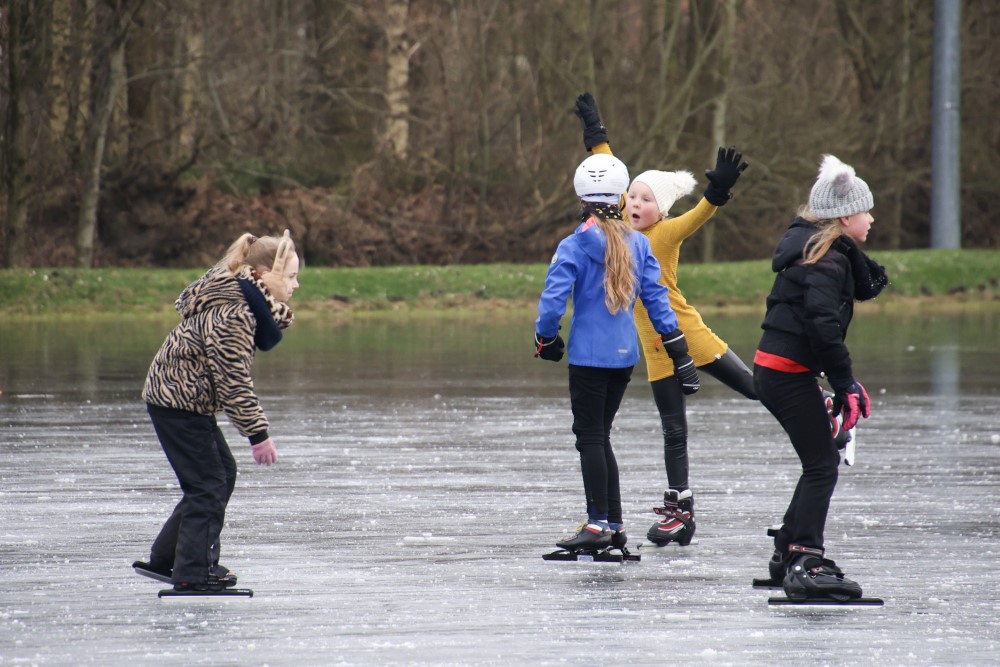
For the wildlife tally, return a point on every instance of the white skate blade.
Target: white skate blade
(851, 447)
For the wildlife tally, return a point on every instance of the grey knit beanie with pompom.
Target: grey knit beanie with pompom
(838, 191)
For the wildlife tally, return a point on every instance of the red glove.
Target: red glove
(852, 403)
(264, 452)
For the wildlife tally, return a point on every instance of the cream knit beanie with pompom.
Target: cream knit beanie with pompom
(667, 186)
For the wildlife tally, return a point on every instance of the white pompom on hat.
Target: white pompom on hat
(667, 186)
(838, 192)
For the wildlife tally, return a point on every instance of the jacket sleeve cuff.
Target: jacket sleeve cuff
(258, 438)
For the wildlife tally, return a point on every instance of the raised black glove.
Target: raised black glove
(550, 349)
(594, 132)
(728, 167)
(684, 369)
(850, 400)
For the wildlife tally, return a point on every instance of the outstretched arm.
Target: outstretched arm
(594, 132)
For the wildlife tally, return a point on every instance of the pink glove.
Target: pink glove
(852, 404)
(264, 452)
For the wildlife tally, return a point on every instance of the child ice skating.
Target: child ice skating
(647, 205)
(821, 271)
(203, 367)
(604, 266)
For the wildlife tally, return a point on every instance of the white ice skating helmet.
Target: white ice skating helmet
(601, 178)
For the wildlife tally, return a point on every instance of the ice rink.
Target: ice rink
(407, 516)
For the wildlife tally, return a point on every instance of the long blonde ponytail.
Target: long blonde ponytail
(619, 271)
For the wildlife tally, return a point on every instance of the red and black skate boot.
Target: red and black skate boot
(677, 524)
(840, 435)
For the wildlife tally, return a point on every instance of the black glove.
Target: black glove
(722, 179)
(850, 400)
(684, 369)
(550, 349)
(594, 131)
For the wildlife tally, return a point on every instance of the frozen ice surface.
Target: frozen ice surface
(413, 500)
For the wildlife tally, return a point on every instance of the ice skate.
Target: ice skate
(164, 573)
(590, 536)
(811, 577)
(677, 524)
(840, 435)
(213, 585)
(594, 543)
(619, 538)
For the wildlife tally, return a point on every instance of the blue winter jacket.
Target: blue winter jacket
(598, 338)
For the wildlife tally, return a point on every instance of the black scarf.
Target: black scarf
(869, 276)
(269, 323)
(600, 210)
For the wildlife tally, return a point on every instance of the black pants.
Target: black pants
(206, 470)
(797, 402)
(728, 369)
(596, 394)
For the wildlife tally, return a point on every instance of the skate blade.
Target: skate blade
(669, 546)
(225, 592)
(767, 585)
(851, 448)
(139, 569)
(592, 557)
(826, 602)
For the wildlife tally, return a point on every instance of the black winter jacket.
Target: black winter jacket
(810, 308)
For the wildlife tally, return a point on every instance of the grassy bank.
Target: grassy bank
(920, 278)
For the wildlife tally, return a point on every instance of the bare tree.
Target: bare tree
(21, 61)
(109, 72)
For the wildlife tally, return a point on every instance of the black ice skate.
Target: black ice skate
(677, 524)
(164, 573)
(812, 578)
(777, 566)
(618, 538)
(594, 543)
(590, 537)
(213, 585)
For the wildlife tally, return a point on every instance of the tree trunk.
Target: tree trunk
(15, 144)
(397, 79)
(110, 78)
(721, 111)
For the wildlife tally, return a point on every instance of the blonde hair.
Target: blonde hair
(257, 253)
(619, 274)
(828, 230)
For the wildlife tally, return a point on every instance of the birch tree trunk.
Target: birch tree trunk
(721, 111)
(110, 77)
(397, 79)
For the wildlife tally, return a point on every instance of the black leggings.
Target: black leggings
(728, 369)
(595, 394)
(796, 401)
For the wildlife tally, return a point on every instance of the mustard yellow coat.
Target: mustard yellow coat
(665, 238)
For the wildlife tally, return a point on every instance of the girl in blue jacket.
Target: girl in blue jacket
(604, 266)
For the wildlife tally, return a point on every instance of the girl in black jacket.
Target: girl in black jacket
(821, 272)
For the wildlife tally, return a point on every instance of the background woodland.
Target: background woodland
(152, 133)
